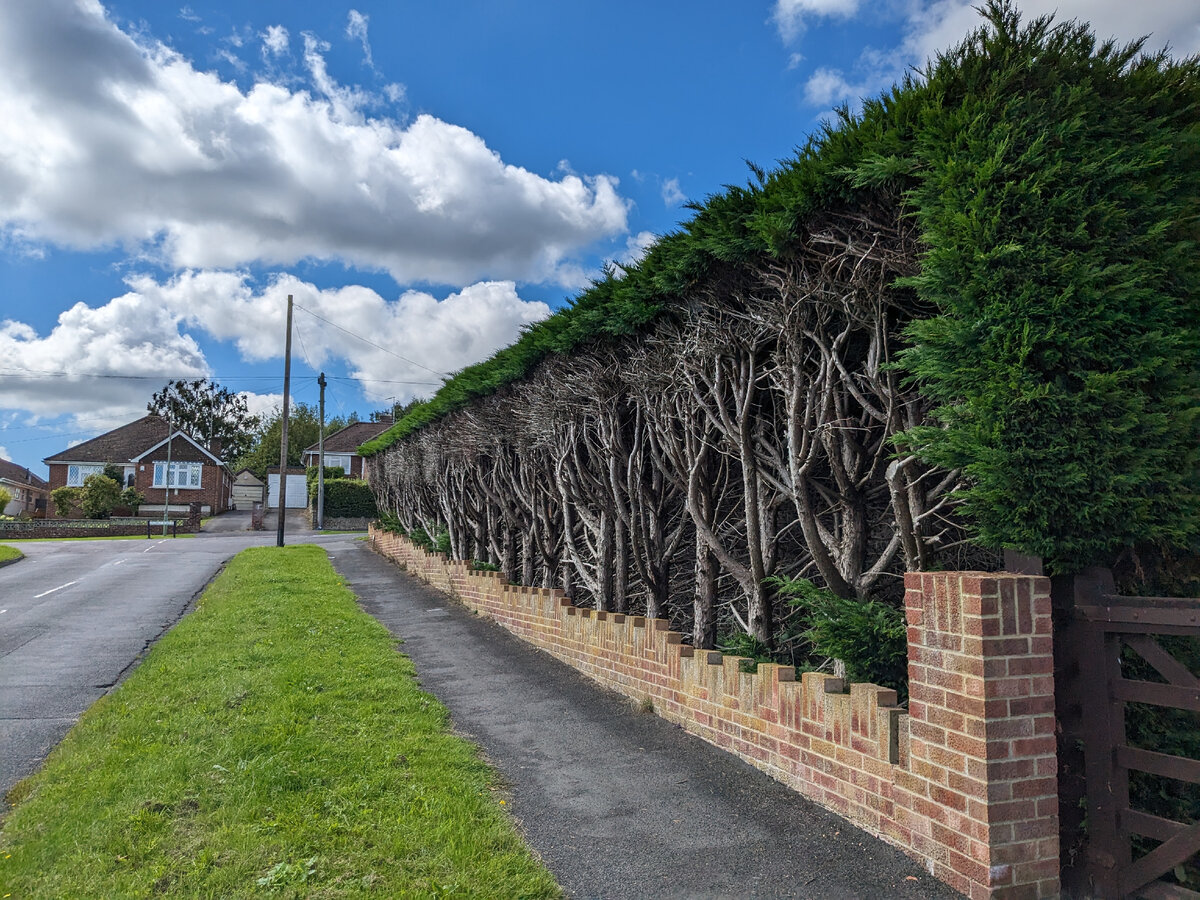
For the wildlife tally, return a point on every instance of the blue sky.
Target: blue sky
(425, 178)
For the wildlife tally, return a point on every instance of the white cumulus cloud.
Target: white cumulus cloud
(275, 40)
(928, 26)
(131, 145)
(108, 359)
(791, 16)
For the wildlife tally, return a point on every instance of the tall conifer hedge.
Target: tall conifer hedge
(1056, 184)
(1058, 190)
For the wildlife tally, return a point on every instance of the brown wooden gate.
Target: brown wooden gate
(1093, 627)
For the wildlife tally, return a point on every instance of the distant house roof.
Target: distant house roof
(10, 471)
(350, 438)
(124, 444)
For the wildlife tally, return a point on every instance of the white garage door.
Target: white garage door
(297, 492)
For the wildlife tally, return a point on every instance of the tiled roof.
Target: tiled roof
(120, 445)
(348, 439)
(13, 472)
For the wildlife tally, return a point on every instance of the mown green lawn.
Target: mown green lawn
(7, 552)
(274, 743)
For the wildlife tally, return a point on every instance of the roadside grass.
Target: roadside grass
(274, 743)
(7, 553)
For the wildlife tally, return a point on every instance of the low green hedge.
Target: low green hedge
(348, 498)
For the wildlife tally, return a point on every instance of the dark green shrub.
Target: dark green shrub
(390, 522)
(65, 500)
(738, 643)
(420, 537)
(133, 498)
(348, 498)
(869, 637)
(310, 475)
(98, 497)
(442, 542)
(480, 566)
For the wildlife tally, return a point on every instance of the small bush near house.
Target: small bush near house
(346, 498)
(5, 498)
(65, 500)
(100, 494)
(133, 498)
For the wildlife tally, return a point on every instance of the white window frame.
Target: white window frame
(183, 476)
(77, 473)
(337, 459)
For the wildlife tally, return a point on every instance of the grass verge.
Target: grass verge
(274, 743)
(7, 553)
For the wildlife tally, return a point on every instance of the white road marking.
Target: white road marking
(3, 611)
(52, 590)
(118, 562)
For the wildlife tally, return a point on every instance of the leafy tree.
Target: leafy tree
(65, 499)
(304, 426)
(5, 499)
(100, 494)
(133, 498)
(208, 413)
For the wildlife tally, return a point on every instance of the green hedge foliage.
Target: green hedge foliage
(1055, 181)
(349, 498)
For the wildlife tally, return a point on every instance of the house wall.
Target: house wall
(965, 780)
(214, 492)
(216, 484)
(354, 471)
(24, 496)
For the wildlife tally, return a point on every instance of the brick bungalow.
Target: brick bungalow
(30, 493)
(196, 473)
(341, 447)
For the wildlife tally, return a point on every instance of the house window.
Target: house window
(76, 473)
(182, 475)
(335, 460)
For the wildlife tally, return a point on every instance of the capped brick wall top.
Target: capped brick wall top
(964, 780)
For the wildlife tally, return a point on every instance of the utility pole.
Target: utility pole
(283, 443)
(167, 478)
(321, 460)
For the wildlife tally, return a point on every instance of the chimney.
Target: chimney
(215, 446)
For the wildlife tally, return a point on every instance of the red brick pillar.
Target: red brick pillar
(980, 798)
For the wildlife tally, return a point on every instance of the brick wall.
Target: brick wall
(216, 484)
(965, 780)
(79, 528)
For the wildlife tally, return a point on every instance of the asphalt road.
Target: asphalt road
(620, 803)
(75, 617)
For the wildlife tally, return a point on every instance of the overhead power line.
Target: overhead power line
(412, 362)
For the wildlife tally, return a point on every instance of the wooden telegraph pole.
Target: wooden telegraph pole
(321, 459)
(283, 443)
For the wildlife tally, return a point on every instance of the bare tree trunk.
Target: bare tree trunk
(704, 617)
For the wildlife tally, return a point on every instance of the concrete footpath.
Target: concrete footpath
(620, 803)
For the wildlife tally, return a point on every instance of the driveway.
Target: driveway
(75, 617)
